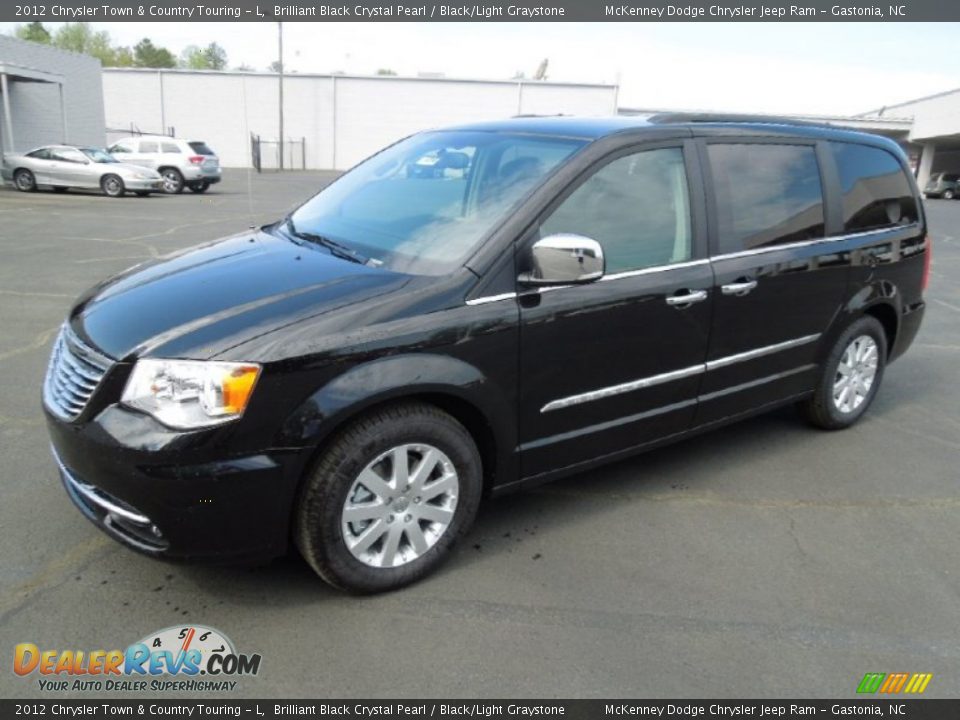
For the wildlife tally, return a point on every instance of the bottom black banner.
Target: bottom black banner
(448, 709)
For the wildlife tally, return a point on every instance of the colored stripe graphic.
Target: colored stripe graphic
(871, 682)
(918, 682)
(893, 683)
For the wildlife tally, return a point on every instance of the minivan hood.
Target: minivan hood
(202, 301)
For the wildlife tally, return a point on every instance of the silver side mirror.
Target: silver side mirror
(565, 259)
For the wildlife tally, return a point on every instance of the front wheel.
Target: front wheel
(949, 195)
(112, 186)
(851, 376)
(389, 498)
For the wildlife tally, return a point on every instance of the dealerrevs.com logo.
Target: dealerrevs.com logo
(181, 659)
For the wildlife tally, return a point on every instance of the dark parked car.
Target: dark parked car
(943, 185)
(355, 377)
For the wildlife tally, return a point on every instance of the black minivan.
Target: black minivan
(558, 293)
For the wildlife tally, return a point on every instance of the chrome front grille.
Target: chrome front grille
(73, 375)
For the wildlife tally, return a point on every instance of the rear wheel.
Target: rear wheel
(199, 187)
(388, 499)
(172, 181)
(851, 376)
(112, 185)
(24, 181)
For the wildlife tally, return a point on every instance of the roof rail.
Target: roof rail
(679, 117)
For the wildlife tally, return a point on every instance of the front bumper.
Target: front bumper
(171, 494)
(155, 185)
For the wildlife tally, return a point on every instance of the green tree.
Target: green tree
(212, 57)
(386, 71)
(81, 38)
(148, 55)
(34, 32)
(215, 56)
(124, 57)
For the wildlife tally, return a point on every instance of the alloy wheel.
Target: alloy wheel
(172, 181)
(400, 505)
(855, 374)
(112, 186)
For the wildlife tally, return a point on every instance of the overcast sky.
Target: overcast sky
(820, 68)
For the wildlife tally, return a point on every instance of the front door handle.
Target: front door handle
(739, 288)
(687, 299)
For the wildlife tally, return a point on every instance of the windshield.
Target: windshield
(422, 205)
(98, 155)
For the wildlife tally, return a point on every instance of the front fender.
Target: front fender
(397, 377)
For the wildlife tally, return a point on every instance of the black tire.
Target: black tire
(821, 409)
(142, 193)
(948, 195)
(24, 181)
(60, 189)
(199, 187)
(172, 181)
(318, 524)
(112, 186)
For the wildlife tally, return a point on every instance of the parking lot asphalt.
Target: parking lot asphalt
(766, 559)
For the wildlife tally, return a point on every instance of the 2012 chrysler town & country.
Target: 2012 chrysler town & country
(561, 293)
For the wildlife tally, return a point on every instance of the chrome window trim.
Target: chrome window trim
(704, 261)
(810, 243)
(491, 298)
(650, 381)
(656, 269)
(759, 352)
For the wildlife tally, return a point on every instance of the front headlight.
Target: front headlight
(189, 394)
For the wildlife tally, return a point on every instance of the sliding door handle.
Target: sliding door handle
(739, 288)
(687, 299)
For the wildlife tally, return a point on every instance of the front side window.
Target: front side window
(98, 155)
(148, 146)
(766, 195)
(68, 155)
(876, 192)
(421, 206)
(637, 207)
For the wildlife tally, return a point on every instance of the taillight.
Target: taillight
(196, 159)
(927, 257)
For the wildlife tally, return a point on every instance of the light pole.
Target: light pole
(280, 67)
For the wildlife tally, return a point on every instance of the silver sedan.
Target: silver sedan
(66, 166)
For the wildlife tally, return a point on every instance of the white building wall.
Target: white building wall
(343, 119)
(938, 115)
(35, 106)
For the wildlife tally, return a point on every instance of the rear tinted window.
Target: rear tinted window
(766, 195)
(950, 177)
(41, 154)
(876, 192)
(201, 148)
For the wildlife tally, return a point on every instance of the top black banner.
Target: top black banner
(512, 11)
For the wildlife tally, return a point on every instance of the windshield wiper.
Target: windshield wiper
(335, 248)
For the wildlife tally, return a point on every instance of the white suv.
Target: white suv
(182, 163)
